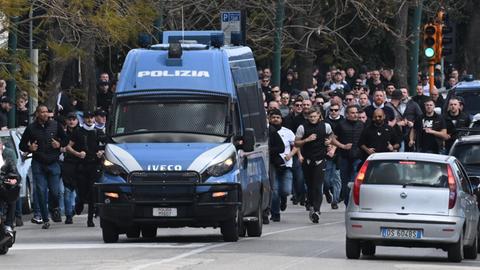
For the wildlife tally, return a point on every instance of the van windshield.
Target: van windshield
(170, 116)
(399, 172)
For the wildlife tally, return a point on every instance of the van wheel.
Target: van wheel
(27, 200)
(455, 251)
(149, 232)
(230, 228)
(242, 228)
(471, 252)
(133, 232)
(109, 231)
(352, 248)
(255, 228)
(368, 249)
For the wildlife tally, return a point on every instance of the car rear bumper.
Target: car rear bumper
(195, 206)
(435, 229)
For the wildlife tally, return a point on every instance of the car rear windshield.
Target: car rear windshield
(406, 172)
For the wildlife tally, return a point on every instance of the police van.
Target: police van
(188, 141)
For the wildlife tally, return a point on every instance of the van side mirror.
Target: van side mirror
(248, 140)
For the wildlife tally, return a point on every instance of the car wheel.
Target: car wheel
(149, 232)
(471, 252)
(455, 251)
(27, 200)
(133, 232)
(230, 228)
(352, 248)
(368, 249)
(254, 228)
(109, 231)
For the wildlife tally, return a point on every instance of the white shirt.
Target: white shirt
(288, 139)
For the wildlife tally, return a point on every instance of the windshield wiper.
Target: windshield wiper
(419, 185)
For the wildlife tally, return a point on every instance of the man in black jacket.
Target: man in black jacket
(86, 144)
(454, 118)
(43, 138)
(378, 136)
(275, 147)
(347, 136)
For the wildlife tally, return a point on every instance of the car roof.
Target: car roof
(468, 85)
(435, 158)
(470, 138)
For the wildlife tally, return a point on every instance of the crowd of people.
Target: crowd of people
(67, 147)
(319, 137)
(329, 129)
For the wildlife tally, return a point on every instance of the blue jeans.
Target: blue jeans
(282, 187)
(298, 186)
(332, 180)
(66, 199)
(348, 170)
(47, 181)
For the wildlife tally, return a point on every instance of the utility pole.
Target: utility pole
(277, 55)
(415, 47)
(12, 66)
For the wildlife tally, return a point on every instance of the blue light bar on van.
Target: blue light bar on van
(185, 47)
(217, 40)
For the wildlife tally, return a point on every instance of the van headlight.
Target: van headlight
(113, 169)
(220, 168)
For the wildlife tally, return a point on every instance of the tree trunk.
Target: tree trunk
(89, 80)
(54, 79)
(472, 49)
(400, 45)
(304, 58)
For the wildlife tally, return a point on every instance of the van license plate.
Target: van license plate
(164, 212)
(401, 233)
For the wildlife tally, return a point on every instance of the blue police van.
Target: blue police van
(188, 141)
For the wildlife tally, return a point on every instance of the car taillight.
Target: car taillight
(358, 181)
(452, 186)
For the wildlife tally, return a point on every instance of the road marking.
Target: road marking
(203, 249)
(434, 267)
(104, 246)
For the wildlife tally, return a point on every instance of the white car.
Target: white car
(11, 140)
(412, 200)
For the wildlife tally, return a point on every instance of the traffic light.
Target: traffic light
(430, 41)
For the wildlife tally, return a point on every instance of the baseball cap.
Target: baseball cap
(100, 112)
(71, 115)
(88, 114)
(5, 99)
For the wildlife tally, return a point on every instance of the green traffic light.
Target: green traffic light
(429, 52)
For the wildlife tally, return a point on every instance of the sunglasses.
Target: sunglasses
(298, 105)
(334, 110)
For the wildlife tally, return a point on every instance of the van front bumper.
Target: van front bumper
(193, 204)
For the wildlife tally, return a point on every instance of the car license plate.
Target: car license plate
(164, 212)
(401, 233)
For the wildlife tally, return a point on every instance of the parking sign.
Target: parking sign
(231, 22)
